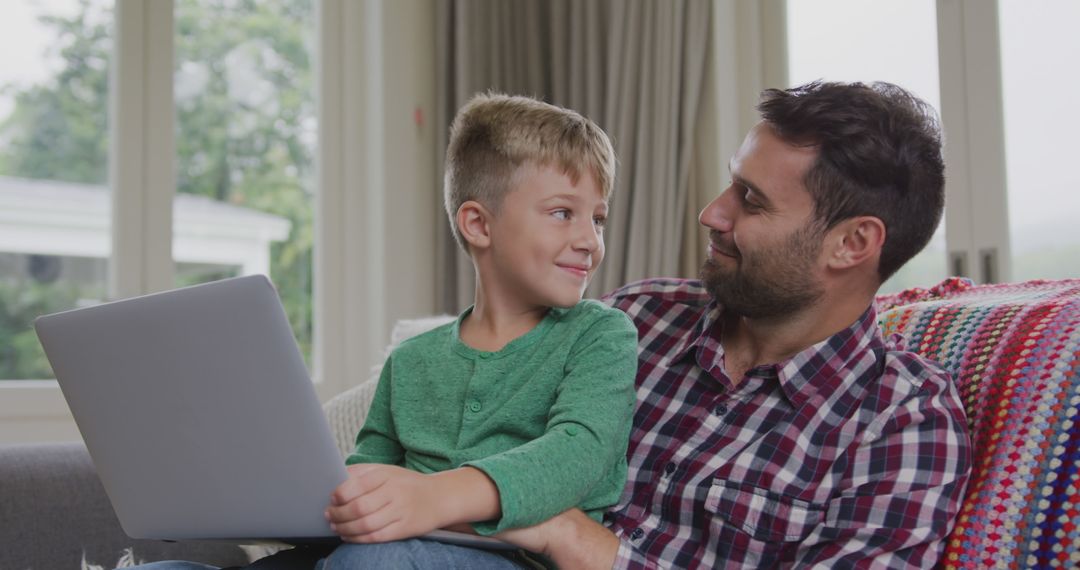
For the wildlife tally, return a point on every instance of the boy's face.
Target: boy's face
(547, 237)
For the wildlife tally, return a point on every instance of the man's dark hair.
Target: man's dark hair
(879, 154)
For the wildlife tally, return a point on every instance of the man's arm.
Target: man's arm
(907, 487)
(571, 540)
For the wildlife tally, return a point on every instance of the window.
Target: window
(245, 143)
(375, 261)
(54, 198)
(886, 40)
(1039, 46)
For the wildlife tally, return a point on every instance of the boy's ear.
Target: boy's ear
(855, 241)
(473, 222)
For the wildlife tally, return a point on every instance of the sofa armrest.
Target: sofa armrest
(56, 515)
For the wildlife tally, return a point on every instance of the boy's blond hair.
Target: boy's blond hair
(494, 135)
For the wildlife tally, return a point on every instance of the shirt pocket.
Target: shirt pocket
(758, 520)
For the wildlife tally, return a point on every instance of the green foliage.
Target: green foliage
(21, 355)
(57, 130)
(244, 119)
(248, 142)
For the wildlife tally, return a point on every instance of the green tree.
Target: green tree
(20, 354)
(244, 109)
(245, 116)
(55, 129)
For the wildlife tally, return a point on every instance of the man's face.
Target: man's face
(763, 243)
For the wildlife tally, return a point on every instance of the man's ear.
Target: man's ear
(855, 241)
(473, 220)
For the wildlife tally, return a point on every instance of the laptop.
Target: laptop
(199, 414)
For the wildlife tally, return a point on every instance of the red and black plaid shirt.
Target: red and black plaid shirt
(849, 454)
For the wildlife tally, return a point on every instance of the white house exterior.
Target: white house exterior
(44, 217)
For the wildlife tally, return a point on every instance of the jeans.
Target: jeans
(405, 554)
(416, 554)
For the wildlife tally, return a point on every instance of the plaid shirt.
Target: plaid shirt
(848, 454)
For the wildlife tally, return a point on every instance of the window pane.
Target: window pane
(1039, 45)
(883, 40)
(54, 199)
(245, 142)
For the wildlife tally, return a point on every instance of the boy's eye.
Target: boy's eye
(561, 214)
(599, 221)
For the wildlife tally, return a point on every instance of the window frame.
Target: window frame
(373, 262)
(972, 115)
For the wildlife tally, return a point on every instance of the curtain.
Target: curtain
(635, 67)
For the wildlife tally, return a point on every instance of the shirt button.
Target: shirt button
(720, 409)
(474, 406)
(484, 356)
(669, 468)
(637, 534)
(571, 431)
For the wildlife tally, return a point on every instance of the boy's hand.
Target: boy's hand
(380, 503)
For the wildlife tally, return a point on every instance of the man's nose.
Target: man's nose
(719, 214)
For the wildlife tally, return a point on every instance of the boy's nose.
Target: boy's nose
(719, 215)
(586, 237)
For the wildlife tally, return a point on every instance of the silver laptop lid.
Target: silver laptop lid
(198, 412)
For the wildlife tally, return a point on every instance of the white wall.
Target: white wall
(376, 250)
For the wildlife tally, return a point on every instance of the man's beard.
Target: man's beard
(768, 283)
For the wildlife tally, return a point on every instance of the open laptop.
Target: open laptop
(199, 414)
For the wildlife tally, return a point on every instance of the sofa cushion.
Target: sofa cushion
(1015, 352)
(54, 513)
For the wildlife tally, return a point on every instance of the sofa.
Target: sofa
(1014, 349)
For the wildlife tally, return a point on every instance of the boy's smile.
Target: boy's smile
(546, 238)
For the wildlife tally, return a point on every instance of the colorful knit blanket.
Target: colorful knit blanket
(1015, 352)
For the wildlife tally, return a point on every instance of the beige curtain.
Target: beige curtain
(636, 67)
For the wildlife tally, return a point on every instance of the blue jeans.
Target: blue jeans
(416, 554)
(405, 554)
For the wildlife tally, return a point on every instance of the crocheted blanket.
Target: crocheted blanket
(1015, 352)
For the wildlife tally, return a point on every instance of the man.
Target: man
(774, 426)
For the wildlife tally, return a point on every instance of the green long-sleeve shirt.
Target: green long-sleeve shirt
(547, 417)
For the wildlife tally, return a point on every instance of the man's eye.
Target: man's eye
(748, 203)
(561, 214)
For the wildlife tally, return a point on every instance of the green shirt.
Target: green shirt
(547, 417)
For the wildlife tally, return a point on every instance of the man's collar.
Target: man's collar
(698, 335)
(819, 368)
(810, 371)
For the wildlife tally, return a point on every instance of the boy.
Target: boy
(521, 408)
